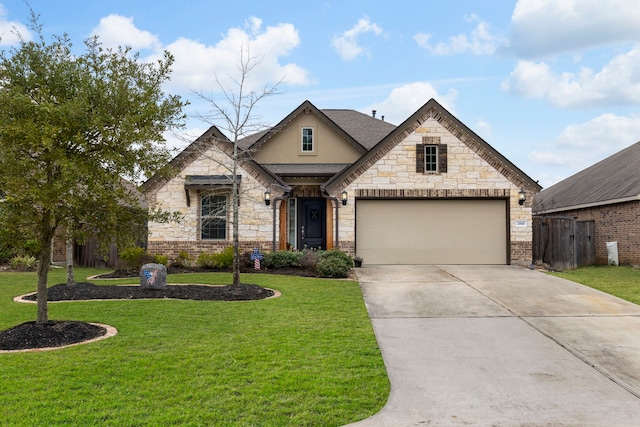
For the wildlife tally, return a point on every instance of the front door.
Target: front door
(311, 220)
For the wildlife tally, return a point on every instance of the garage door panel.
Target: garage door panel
(431, 231)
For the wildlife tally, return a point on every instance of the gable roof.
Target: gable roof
(612, 180)
(212, 137)
(358, 129)
(433, 109)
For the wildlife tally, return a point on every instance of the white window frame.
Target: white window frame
(303, 140)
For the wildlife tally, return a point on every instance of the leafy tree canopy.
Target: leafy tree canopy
(75, 131)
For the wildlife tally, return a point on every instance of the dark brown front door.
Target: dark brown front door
(311, 220)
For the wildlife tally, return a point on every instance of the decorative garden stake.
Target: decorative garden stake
(256, 257)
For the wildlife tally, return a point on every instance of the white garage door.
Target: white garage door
(431, 231)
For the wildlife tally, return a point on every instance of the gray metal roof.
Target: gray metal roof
(614, 179)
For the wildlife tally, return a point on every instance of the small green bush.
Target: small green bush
(282, 259)
(183, 260)
(334, 263)
(135, 257)
(224, 259)
(24, 263)
(161, 259)
(206, 260)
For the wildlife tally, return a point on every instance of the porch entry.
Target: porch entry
(310, 227)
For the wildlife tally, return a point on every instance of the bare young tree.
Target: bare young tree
(234, 112)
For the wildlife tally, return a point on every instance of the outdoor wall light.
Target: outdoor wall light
(345, 196)
(522, 196)
(267, 197)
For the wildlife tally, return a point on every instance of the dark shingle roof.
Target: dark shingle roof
(365, 129)
(309, 169)
(616, 178)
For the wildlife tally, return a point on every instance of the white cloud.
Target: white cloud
(11, 31)
(483, 128)
(580, 146)
(117, 30)
(542, 28)
(347, 44)
(618, 82)
(480, 42)
(403, 101)
(197, 65)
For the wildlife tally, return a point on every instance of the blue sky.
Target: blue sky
(554, 85)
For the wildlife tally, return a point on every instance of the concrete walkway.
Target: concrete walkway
(501, 346)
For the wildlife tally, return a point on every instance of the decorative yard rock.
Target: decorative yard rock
(153, 276)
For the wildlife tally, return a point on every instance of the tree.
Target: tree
(235, 112)
(75, 131)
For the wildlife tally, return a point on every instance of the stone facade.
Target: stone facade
(256, 219)
(619, 222)
(469, 175)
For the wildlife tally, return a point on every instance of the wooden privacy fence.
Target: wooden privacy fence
(563, 242)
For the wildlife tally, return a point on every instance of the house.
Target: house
(429, 191)
(607, 193)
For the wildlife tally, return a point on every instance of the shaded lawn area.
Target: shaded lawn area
(307, 358)
(623, 282)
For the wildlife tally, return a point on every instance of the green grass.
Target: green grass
(308, 358)
(623, 282)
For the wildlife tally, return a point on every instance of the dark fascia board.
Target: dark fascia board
(415, 121)
(213, 136)
(186, 156)
(306, 105)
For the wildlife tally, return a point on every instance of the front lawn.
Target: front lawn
(307, 358)
(623, 282)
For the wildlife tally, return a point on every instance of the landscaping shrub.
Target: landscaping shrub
(224, 259)
(309, 259)
(282, 259)
(24, 263)
(206, 260)
(334, 263)
(161, 259)
(135, 257)
(183, 260)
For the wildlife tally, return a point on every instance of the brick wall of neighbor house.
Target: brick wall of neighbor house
(618, 222)
(255, 228)
(393, 175)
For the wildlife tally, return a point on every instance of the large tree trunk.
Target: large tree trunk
(43, 274)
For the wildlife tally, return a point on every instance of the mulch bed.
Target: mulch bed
(30, 335)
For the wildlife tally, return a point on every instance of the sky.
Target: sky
(553, 85)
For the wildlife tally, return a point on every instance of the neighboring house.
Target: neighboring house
(429, 191)
(607, 193)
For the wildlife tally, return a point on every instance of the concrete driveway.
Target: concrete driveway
(501, 346)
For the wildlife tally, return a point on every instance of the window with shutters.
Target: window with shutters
(431, 156)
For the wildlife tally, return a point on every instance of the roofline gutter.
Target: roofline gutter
(589, 205)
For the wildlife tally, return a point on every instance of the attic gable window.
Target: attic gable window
(431, 156)
(307, 143)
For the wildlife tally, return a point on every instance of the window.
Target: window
(292, 225)
(307, 140)
(213, 217)
(431, 156)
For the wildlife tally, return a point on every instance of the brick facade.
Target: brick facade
(619, 222)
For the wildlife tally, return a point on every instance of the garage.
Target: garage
(432, 231)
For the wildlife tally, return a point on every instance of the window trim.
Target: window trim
(302, 141)
(441, 156)
(202, 218)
